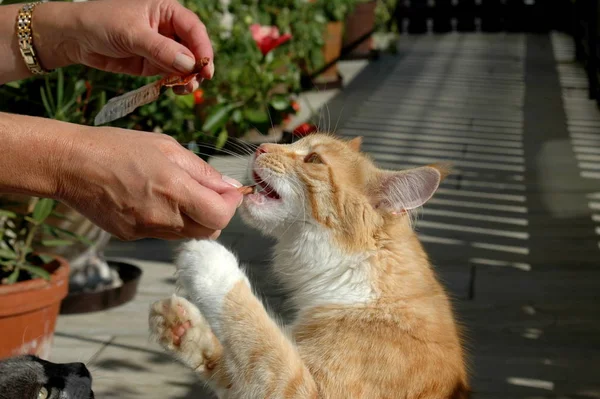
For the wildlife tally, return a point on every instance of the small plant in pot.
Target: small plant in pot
(359, 23)
(335, 12)
(33, 280)
(251, 96)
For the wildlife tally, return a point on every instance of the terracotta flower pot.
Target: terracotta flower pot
(358, 23)
(28, 312)
(332, 50)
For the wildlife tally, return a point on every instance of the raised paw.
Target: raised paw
(179, 327)
(207, 271)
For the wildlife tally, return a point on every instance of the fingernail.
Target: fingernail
(210, 68)
(231, 181)
(184, 63)
(195, 85)
(241, 201)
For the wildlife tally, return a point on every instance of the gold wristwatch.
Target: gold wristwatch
(25, 38)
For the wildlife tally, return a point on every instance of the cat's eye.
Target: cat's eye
(43, 393)
(313, 157)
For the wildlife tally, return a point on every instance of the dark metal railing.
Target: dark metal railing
(586, 33)
(443, 16)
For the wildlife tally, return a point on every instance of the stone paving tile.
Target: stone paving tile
(69, 349)
(495, 284)
(132, 368)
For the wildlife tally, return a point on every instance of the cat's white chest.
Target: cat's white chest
(317, 273)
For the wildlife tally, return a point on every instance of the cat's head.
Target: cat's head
(325, 181)
(29, 377)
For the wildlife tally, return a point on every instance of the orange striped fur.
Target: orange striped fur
(372, 320)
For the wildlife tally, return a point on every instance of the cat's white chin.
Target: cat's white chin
(260, 198)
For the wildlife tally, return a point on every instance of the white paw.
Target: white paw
(179, 327)
(207, 271)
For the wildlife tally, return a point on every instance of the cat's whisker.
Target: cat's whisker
(245, 147)
(338, 120)
(228, 152)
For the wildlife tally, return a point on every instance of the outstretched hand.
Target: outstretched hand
(136, 185)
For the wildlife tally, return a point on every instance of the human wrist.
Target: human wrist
(55, 26)
(36, 162)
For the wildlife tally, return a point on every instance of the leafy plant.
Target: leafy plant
(336, 10)
(21, 232)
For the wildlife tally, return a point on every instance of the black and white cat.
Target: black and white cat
(29, 377)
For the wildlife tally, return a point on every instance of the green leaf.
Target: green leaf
(43, 209)
(56, 243)
(14, 85)
(36, 271)
(13, 276)
(280, 102)
(221, 139)
(56, 230)
(218, 118)
(257, 116)
(49, 110)
(8, 214)
(46, 258)
(60, 215)
(49, 94)
(237, 116)
(7, 253)
(11, 264)
(186, 102)
(60, 88)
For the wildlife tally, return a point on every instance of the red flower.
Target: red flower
(198, 96)
(295, 106)
(305, 129)
(268, 37)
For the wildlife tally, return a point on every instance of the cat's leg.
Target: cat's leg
(179, 327)
(260, 360)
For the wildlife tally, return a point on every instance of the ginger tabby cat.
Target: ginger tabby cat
(372, 321)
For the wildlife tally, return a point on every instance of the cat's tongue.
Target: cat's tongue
(267, 190)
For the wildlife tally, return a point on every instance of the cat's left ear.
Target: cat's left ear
(355, 143)
(409, 189)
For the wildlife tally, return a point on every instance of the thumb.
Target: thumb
(165, 53)
(204, 173)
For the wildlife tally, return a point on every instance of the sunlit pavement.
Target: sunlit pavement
(513, 233)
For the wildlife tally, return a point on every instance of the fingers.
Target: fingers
(203, 173)
(208, 208)
(195, 230)
(187, 89)
(164, 53)
(192, 32)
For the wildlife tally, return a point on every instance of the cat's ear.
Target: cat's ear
(409, 189)
(355, 143)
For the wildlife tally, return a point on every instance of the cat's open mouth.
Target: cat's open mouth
(264, 188)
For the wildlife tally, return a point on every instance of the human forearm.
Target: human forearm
(34, 149)
(54, 25)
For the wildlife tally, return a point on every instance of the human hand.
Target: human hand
(136, 37)
(137, 185)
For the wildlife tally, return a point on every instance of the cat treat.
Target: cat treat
(245, 190)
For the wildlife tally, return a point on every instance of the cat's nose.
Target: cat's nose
(261, 150)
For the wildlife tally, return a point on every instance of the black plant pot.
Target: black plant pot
(87, 302)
